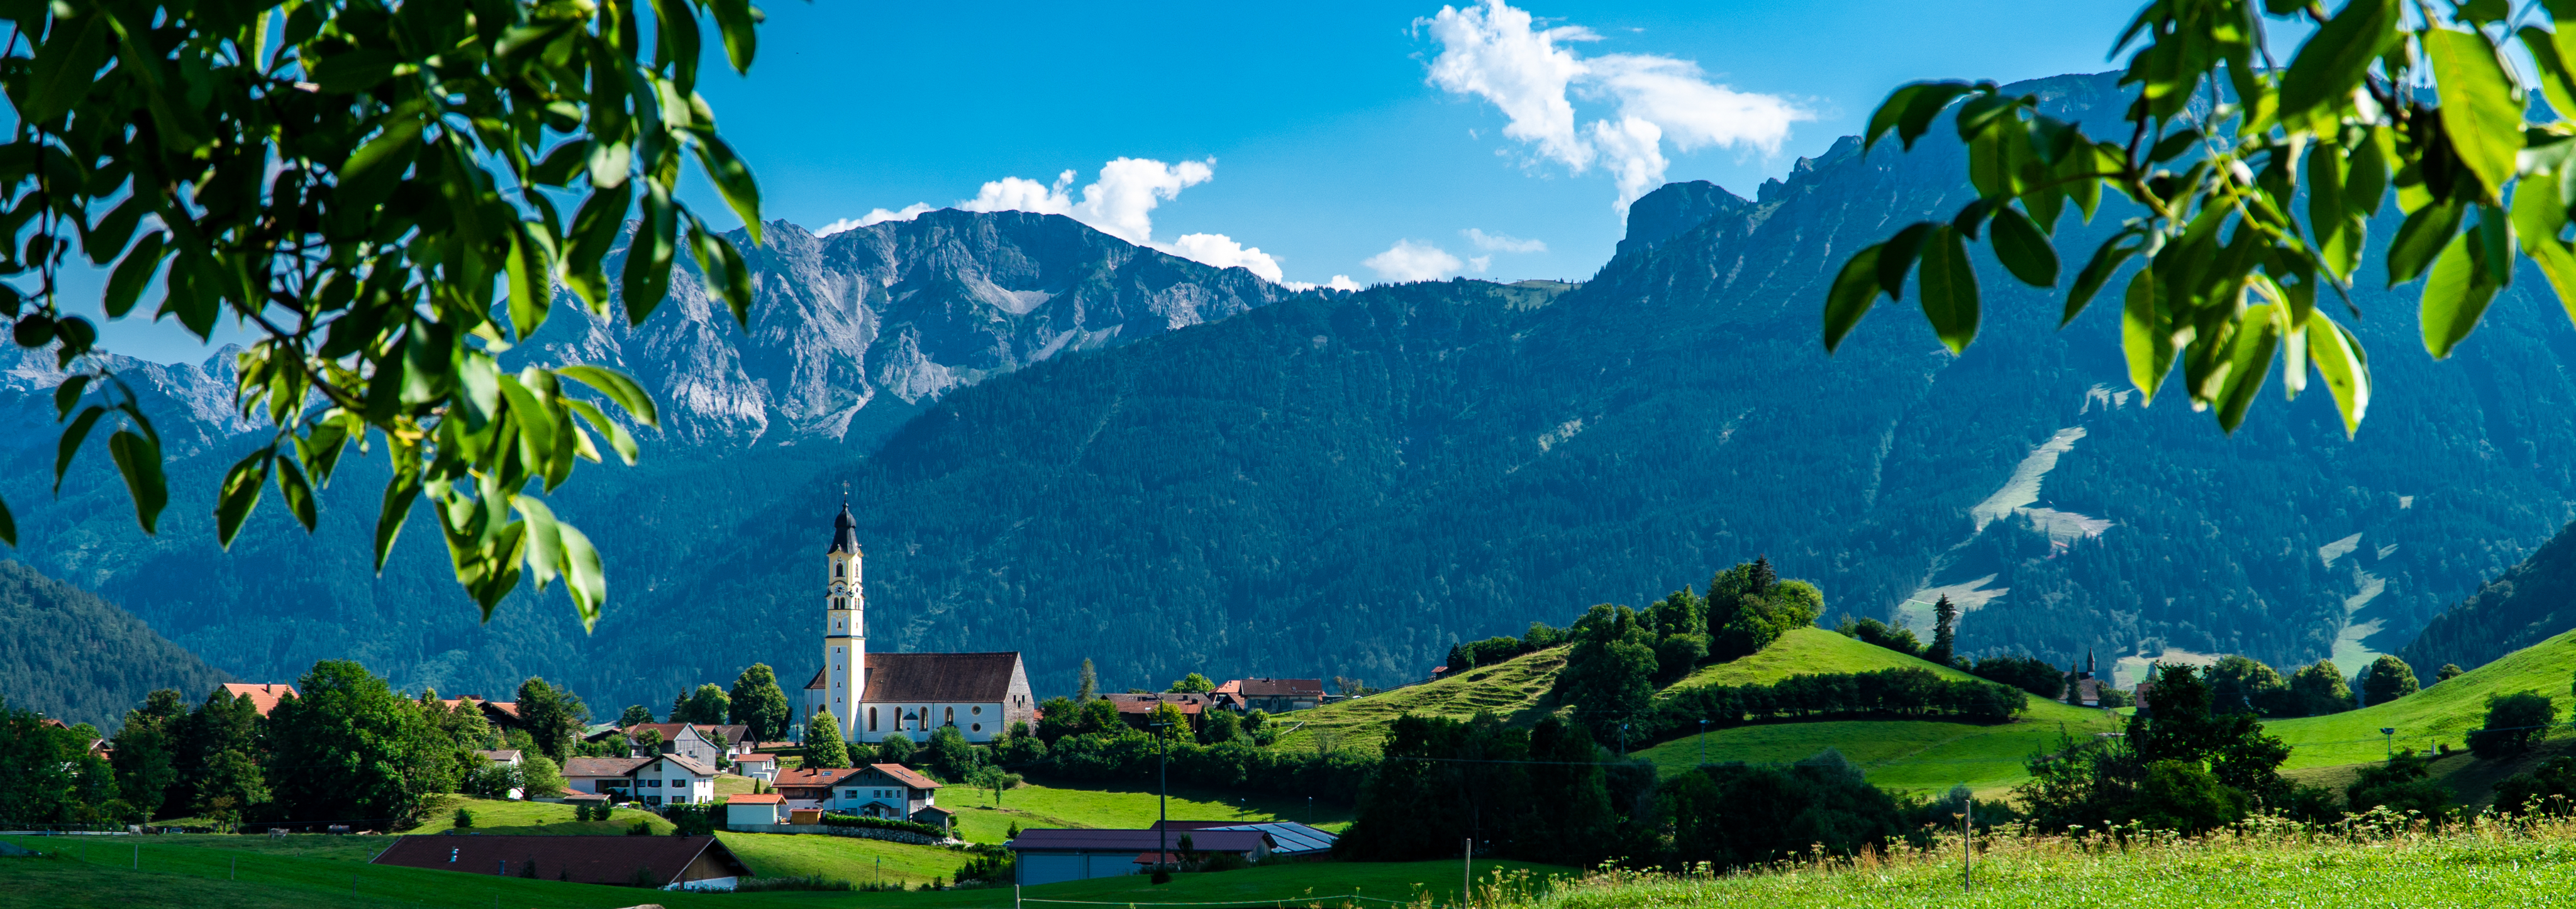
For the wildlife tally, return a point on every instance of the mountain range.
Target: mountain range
(1063, 444)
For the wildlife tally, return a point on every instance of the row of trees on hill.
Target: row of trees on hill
(1622, 655)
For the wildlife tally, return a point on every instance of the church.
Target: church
(878, 695)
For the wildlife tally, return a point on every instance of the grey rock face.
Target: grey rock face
(862, 329)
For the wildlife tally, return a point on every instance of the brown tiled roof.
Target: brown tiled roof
(904, 775)
(592, 767)
(1266, 688)
(935, 677)
(756, 759)
(690, 764)
(824, 776)
(817, 683)
(581, 859)
(263, 696)
(755, 798)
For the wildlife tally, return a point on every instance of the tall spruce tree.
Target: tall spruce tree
(1090, 682)
(824, 746)
(758, 702)
(1945, 631)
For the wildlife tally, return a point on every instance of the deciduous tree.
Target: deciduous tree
(758, 703)
(824, 746)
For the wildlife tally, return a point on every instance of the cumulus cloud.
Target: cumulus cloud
(1411, 261)
(1502, 242)
(1339, 282)
(878, 216)
(1221, 251)
(1496, 52)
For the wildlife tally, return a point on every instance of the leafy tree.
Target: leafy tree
(2400, 785)
(2181, 767)
(1220, 726)
(349, 747)
(219, 751)
(1090, 687)
(541, 777)
(1193, 684)
(2031, 674)
(1734, 815)
(1945, 632)
(650, 741)
(2319, 689)
(2182, 727)
(2387, 679)
(2186, 797)
(1100, 715)
(2239, 684)
(757, 702)
(1057, 718)
(824, 746)
(1443, 780)
(146, 752)
(1749, 607)
(495, 780)
(1609, 675)
(896, 749)
(552, 715)
(1901, 640)
(995, 779)
(2513, 720)
(2449, 671)
(707, 705)
(337, 196)
(636, 715)
(2253, 212)
(42, 761)
(949, 754)
(1020, 748)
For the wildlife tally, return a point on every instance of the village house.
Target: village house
(1270, 695)
(876, 790)
(675, 779)
(757, 766)
(263, 697)
(875, 695)
(690, 739)
(506, 757)
(755, 810)
(604, 776)
(1138, 709)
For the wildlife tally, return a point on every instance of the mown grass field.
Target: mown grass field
(2442, 713)
(1512, 689)
(1124, 806)
(843, 858)
(2482, 868)
(504, 817)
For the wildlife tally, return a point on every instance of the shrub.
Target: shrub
(882, 823)
(464, 819)
(896, 749)
(2400, 786)
(1901, 640)
(2031, 674)
(641, 827)
(2513, 720)
(2549, 789)
(781, 884)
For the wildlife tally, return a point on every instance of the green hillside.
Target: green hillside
(1127, 805)
(2443, 713)
(78, 658)
(1512, 688)
(1898, 754)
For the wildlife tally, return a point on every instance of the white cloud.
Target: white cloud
(1502, 242)
(1017, 194)
(1492, 51)
(1221, 251)
(1479, 264)
(1339, 282)
(878, 216)
(1411, 261)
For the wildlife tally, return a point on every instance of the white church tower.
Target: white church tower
(845, 627)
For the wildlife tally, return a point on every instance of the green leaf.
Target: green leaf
(2096, 272)
(65, 66)
(733, 180)
(2339, 360)
(594, 232)
(376, 167)
(723, 267)
(139, 459)
(239, 495)
(2146, 335)
(619, 389)
(2422, 237)
(478, 378)
(1949, 289)
(582, 575)
(735, 22)
(298, 493)
(2023, 250)
(2172, 145)
(2480, 114)
(618, 439)
(2556, 83)
(2455, 297)
(647, 276)
(2365, 183)
(2537, 219)
(125, 284)
(400, 492)
(1896, 257)
(107, 241)
(536, 422)
(68, 394)
(8, 525)
(676, 23)
(2333, 61)
(558, 166)
(70, 443)
(545, 552)
(2326, 219)
(1893, 112)
(531, 270)
(2249, 360)
(1855, 290)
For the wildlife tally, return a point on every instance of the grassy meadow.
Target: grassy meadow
(2442, 713)
(1294, 884)
(1126, 806)
(1512, 688)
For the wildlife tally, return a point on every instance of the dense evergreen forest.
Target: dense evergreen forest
(1351, 484)
(2529, 604)
(74, 657)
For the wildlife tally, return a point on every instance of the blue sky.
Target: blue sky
(1324, 138)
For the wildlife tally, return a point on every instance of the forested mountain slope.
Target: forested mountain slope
(77, 658)
(1347, 484)
(2527, 605)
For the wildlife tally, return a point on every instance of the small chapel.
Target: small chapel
(879, 695)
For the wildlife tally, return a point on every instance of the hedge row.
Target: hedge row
(1234, 765)
(882, 823)
(1909, 693)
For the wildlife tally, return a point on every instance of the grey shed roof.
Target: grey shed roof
(1137, 840)
(1289, 838)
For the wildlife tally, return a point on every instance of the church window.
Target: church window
(950, 716)
(872, 719)
(977, 710)
(979, 727)
(837, 568)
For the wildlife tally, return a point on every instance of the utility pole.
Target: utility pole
(2389, 735)
(1467, 881)
(1703, 742)
(1163, 801)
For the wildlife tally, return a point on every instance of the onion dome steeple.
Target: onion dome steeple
(845, 531)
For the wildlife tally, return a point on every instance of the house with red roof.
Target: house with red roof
(263, 697)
